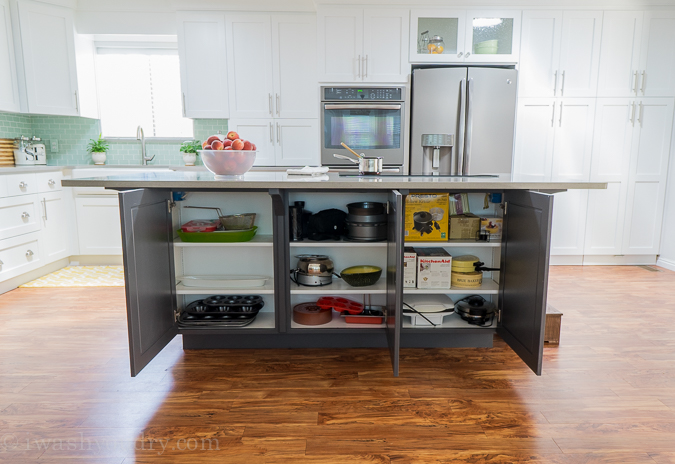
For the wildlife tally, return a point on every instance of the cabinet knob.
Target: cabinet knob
(51, 182)
(468, 54)
(29, 253)
(1, 263)
(23, 185)
(25, 215)
(459, 55)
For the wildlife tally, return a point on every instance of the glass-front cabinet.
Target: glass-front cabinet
(455, 36)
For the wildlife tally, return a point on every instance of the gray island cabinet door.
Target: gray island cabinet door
(147, 248)
(523, 281)
(394, 276)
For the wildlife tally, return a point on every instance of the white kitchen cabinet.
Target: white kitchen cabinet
(55, 224)
(539, 53)
(573, 139)
(98, 224)
(450, 25)
(9, 90)
(569, 223)
(620, 54)
(296, 94)
(281, 142)
(203, 65)
(47, 41)
(19, 215)
(560, 53)
(487, 27)
(19, 254)
(657, 56)
(605, 219)
(357, 45)
(535, 132)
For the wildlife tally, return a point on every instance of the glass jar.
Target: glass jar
(436, 45)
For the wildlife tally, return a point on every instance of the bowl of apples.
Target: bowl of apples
(229, 156)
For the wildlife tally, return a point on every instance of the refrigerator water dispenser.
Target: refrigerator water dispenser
(438, 157)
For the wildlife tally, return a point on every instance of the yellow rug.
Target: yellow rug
(81, 276)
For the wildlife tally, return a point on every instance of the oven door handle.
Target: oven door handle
(362, 107)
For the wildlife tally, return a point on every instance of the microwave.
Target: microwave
(367, 119)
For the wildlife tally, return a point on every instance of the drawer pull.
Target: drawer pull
(25, 215)
(51, 182)
(23, 185)
(29, 253)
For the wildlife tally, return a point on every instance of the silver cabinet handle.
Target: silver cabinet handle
(562, 85)
(51, 182)
(278, 134)
(635, 82)
(23, 185)
(640, 116)
(77, 102)
(468, 54)
(269, 95)
(553, 115)
(632, 113)
(278, 109)
(560, 120)
(25, 215)
(1, 263)
(271, 134)
(555, 82)
(184, 113)
(44, 208)
(365, 67)
(460, 54)
(359, 61)
(29, 253)
(644, 77)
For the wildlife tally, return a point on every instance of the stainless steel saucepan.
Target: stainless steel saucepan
(367, 164)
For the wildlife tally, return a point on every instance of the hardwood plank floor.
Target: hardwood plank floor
(607, 393)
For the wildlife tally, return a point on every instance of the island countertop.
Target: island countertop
(332, 181)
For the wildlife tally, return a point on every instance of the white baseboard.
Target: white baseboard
(666, 263)
(619, 260)
(96, 260)
(566, 260)
(14, 282)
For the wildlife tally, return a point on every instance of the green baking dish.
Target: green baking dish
(218, 236)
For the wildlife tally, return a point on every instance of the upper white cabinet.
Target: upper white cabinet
(455, 36)
(357, 45)
(203, 65)
(561, 53)
(9, 91)
(657, 56)
(47, 39)
(620, 54)
(263, 87)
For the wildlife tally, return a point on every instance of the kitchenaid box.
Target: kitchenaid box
(409, 267)
(434, 266)
(426, 217)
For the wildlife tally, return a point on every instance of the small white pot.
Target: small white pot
(98, 157)
(189, 158)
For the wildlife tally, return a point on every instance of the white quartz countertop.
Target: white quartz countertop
(332, 181)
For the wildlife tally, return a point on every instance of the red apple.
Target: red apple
(207, 147)
(212, 139)
(232, 135)
(237, 144)
(217, 145)
(253, 147)
(204, 144)
(248, 145)
(227, 148)
(227, 142)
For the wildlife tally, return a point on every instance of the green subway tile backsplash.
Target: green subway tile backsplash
(73, 134)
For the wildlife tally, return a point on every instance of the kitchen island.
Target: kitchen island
(155, 260)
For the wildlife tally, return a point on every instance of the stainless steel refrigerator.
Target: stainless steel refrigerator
(475, 104)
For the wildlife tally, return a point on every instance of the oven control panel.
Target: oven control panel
(362, 93)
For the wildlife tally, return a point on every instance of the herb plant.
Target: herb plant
(191, 146)
(97, 146)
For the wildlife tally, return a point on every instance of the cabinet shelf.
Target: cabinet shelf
(267, 289)
(257, 241)
(338, 322)
(340, 287)
(454, 321)
(456, 243)
(337, 244)
(264, 320)
(489, 287)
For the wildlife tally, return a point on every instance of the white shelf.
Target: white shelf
(264, 320)
(340, 287)
(455, 244)
(453, 321)
(267, 289)
(257, 241)
(334, 244)
(338, 322)
(489, 287)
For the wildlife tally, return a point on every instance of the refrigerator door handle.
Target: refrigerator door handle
(459, 157)
(466, 164)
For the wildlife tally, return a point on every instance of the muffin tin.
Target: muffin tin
(222, 311)
(340, 305)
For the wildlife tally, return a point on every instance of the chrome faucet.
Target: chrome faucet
(140, 136)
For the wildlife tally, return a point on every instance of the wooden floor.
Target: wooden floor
(607, 394)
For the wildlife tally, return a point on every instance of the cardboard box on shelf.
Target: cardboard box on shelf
(493, 225)
(426, 217)
(464, 226)
(409, 267)
(434, 267)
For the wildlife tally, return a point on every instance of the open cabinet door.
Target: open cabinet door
(523, 281)
(147, 248)
(394, 276)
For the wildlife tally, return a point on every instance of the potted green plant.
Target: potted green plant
(98, 148)
(190, 150)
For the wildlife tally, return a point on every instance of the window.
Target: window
(140, 87)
